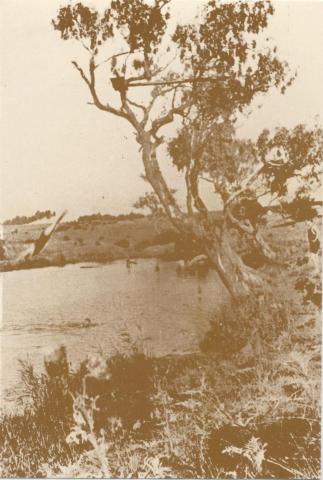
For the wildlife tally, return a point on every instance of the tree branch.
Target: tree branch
(194, 176)
(207, 179)
(131, 117)
(91, 84)
(243, 188)
(251, 231)
(148, 109)
(136, 105)
(169, 117)
(170, 82)
(188, 189)
(157, 181)
(81, 72)
(115, 56)
(243, 227)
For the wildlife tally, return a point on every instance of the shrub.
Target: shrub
(163, 238)
(168, 236)
(63, 226)
(124, 243)
(201, 415)
(237, 324)
(59, 260)
(144, 244)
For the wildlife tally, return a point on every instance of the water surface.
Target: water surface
(164, 312)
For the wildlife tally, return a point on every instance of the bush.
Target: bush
(121, 387)
(202, 415)
(124, 243)
(163, 238)
(144, 244)
(63, 226)
(237, 324)
(38, 435)
(168, 236)
(59, 260)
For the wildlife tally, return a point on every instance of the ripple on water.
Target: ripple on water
(49, 306)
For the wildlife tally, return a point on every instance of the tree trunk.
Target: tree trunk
(237, 278)
(188, 192)
(156, 179)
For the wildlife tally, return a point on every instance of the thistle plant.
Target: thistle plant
(84, 408)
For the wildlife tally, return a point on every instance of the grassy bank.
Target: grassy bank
(245, 406)
(98, 241)
(95, 241)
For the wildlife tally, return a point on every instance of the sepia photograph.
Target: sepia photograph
(161, 239)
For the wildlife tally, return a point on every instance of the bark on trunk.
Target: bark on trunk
(237, 278)
(156, 179)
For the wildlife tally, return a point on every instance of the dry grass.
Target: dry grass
(251, 413)
(246, 406)
(92, 241)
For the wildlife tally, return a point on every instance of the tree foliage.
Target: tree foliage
(24, 220)
(149, 201)
(207, 73)
(225, 47)
(292, 153)
(222, 159)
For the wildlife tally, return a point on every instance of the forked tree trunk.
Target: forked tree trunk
(237, 278)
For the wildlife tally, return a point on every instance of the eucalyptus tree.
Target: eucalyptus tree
(199, 74)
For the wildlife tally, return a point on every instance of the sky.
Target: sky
(58, 152)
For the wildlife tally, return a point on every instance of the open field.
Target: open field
(76, 242)
(97, 241)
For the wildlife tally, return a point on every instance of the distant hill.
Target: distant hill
(24, 220)
(98, 217)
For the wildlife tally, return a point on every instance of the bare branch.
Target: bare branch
(243, 227)
(115, 56)
(162, 69)
(207, 179)
(131, 117)
(246, 227)
(169, 117)
(155, 96)
(91, 84)
(136, 105)
(81, 72)
(170, 82)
